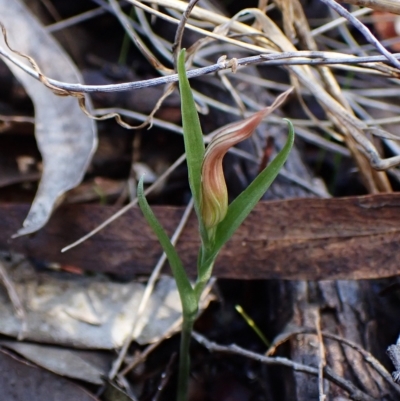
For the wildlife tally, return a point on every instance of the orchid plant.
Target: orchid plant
(217, 220)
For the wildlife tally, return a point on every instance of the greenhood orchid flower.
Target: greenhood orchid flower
(214, 194)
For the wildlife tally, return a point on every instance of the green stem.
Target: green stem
(204, 270)
(189, 317)
(184, 358)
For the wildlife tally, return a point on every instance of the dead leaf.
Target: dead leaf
(89, 312)
(61, 361)
(66, 137)
(113, 393)
(20, 380)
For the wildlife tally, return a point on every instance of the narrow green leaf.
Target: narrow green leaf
(192, 134)
(186, 292)
(239, 209)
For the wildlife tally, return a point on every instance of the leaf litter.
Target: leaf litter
(88, 314)
(20, 380)
(65, 136)
(77, 312)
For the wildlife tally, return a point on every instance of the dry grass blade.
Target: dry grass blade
(350, 126)
(128, 206)
(58, 26)
(14, 298)
(322, 358)
(391, 6)
(136, 39)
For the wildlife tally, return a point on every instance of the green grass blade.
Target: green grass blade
(192, 133)
(252, 325)
(186, 292)
(239, 209)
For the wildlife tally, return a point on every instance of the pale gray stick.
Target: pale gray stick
(353, 391)
(76, 19)
(368, 357)
(127, 207)
(266, 59)
(363, 29)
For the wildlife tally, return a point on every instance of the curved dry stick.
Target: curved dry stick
(368, 357)
(176, 47)
(267, 59)
(354, 392)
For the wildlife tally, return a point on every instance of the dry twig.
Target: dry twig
(363, 29)
(354, 392)
(14, 298)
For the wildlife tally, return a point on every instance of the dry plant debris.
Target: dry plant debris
(87, 312)
(346, 85)
(362, 231)
(67, 139)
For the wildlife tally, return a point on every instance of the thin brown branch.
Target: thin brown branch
(176, 47)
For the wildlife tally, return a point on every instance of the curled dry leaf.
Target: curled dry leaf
(88, 312)
(66, 137)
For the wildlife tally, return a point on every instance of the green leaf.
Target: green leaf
(192, 134)
(186, 292)
(239, 209)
